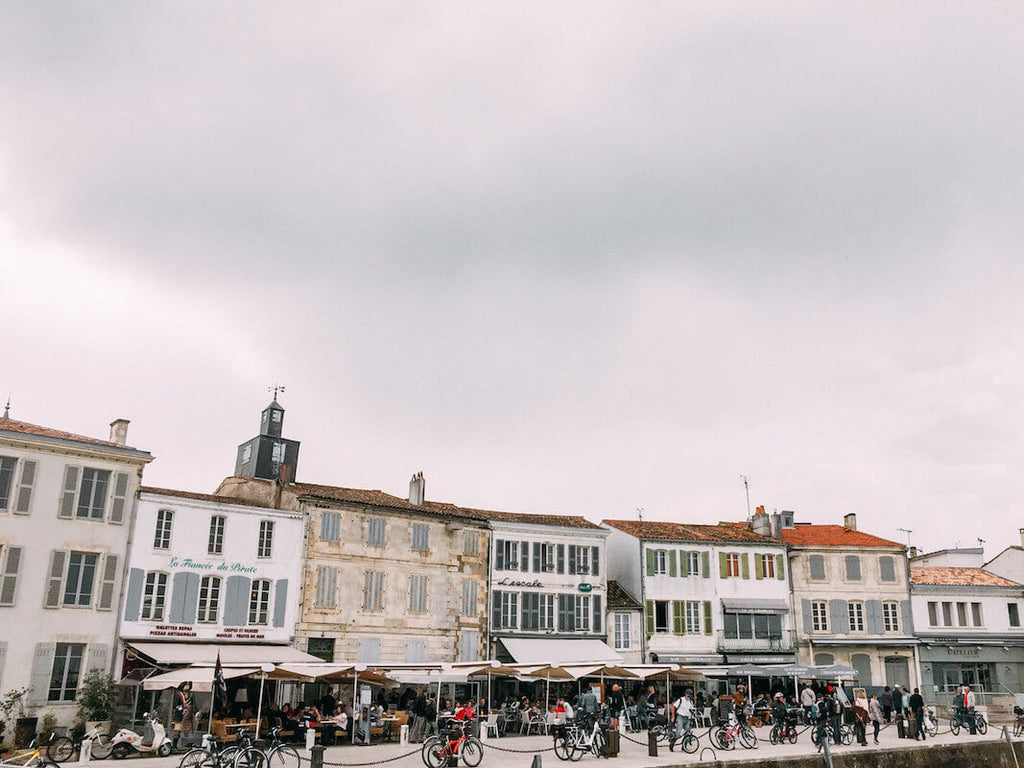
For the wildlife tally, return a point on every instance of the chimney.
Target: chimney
(776, 525)
(850, 521)
(760, 523)
(1021, 531)
(119, 431)
(417, 489)
(912, 552)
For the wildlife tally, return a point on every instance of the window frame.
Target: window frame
(855, 615)
(259, 603)
(265, 544)
(693, 566)
(767, 566)
(732, 565)
(208, 604)
(420, 537)
(163, 530)
(66, 692)
(819, 616)
(693, 617)
(1013, 614)
(660, 562)
(373, 591)
(90, 509)
(621, 640)
(582, 607)
(890, 616)
(376, 531)
(154, 590)
(215, 539)
(79, 592)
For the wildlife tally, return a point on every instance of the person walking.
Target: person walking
(185, 711)
(418, 712)
(681, 715)
(917, 710)
(824, 705)
(885, 703)
(616, 703)
(807, 699)
(875, 713)
(588, 704)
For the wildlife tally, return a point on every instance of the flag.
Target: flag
(220, 687)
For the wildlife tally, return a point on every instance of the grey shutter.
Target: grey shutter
(705, 563)
(853, 568)
(572, 559)
(597, 611)
(906, 618)
(9, 577)
(684, 563)
(98, 658)
(499, 555)
(42, 668)
(496, 610)
(595, 560)
(537, 566)
(176, 610)
(190, 604)
(817, 564)
(566, 613)
(839, 617)
(236, 601)
(55, 581)
(805, 608)
(107, 583)
(524, 556)
(120, 497)
(560, 557)
(28, 479)
(887, 569)
(873, 617)
(69, 492)
(133, 595)
(3, 658)
(281, 600)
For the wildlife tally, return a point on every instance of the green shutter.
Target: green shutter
(723, 565)
(650, 562)
(684, 563)
(678, 617)
(672, 563)
(705, 561)
(780, 567)
(745, 565)
(650, 617)
(759, 566)
(707, 617)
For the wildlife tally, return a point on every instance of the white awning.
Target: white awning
(754, 605)
(200, 677)
(551, 651)
(233, 655)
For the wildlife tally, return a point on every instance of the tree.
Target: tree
(97, 696)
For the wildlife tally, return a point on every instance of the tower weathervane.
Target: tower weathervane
(7, 408)
(275, 389)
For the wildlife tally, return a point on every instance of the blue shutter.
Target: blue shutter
(805, 607)
(133, 595)
(176, 609)
(873, 617)
(236, 601)
(906, 618)
(281, 601)
(839, 617)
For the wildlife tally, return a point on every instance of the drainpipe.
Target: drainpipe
(643, 604)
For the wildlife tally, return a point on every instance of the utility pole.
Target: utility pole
(746, 487)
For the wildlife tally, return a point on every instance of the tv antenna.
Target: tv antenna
(908, 532)
(275, 389)
(640, 514)
(746, 487)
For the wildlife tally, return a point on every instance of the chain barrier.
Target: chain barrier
(515, 751)
(363, 765)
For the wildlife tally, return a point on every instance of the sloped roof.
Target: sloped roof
(199, 496)
(23, 427)
(619, 597)
(652, 529)
(833, 536)
(959, 577)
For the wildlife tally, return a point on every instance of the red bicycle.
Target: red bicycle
(454, 743)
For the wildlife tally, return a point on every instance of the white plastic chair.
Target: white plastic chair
(491, 725)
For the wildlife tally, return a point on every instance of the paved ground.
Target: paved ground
(632, 754)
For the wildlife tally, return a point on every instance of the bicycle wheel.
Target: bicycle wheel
(283, 756)
(815, 735)
(562, 749)
(436, 756)
(980, 724)
(747, 738)
(690, 743)
(250, 757)
(429, 742)
(597, 745)
(101, 747)
(774, 737)
(1018, 727)
(60, 749)
(791, 734)
(196, 758)
(472, 751)
(846, 735)
(719, 738)
(576, 750)
(954, 726)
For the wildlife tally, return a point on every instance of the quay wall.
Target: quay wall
(986, 754)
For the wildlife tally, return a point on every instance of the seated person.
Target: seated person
(339, 719)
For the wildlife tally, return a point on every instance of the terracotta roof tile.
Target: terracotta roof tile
(652, 529)
(199, 496)
(961, 577)
(619, 597)
(10, 425)
(833, 536)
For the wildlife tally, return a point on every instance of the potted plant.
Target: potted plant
(97, 699)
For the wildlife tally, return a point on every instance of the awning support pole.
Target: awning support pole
(259, 707)
(355, 698)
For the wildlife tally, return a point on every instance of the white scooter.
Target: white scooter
(126, 741)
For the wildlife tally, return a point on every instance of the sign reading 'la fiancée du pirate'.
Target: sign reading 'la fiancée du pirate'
(197, 565)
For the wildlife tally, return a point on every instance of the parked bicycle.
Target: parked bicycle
(1018, 721)
(212, 754)
(727, 734)
(576, 739)
(962, 719)
(784, 731)
(276, 755)
(32, 757)
(453, 743)
(845, 734)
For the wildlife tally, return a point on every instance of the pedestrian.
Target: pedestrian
(588, 704)
(739, 702)
(616, 703)
(860, 712)
(418, 712)
(885, 702)
(681, 714)
(917, 709)
(875, 713)
(824, 715)
(807, 699)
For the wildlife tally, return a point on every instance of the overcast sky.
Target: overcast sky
(565, 258)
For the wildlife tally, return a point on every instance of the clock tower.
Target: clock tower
(268, 456)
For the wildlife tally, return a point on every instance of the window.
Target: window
(661, 616)
(92, 496)
(373, 591)
(469, 646)
(886, 569)
(819, 616)
(961, 614)
(852, 568)
(693, 617)
(471, 544)
(9, 574)
(326, 584)
(1012, 609)
(420, 537)
(976, 614)
(16, 497)
(748, 626)
(891, 616)
(375, 532)
(330, 526)
(321, 647)
(417, 593)
(469, 592)
(767, 566)
(693, 563)
(508, 607)
(816, 564)
(154, 596)
(856, 613)
(266, 544)
(246, 454)
(579, 559)
(209, 599)
(7, 466)
(547, 557)
(67, 668)
(162, 537)
(259, 602)
(582, 613)
(947, 614)
(506, 555)
(732, 564)
(277, 454)
(215, 545)
(621, 625)
(660, 562)
(80, 577)
(933, 614)
(547, 611)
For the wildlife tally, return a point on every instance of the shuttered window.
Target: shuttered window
(420, 537)
(469, 594)
(67, 669)
(621, 627)
(417, 593)
(162, 535)
(154, 596)
(11, 559)
(469, 645)
(693, 617)
(92, 496)
(330, 526)
(580, 559)
(415, 651)
(852, 568)
(265, 547)
(120, 497)
(107, 583)
(816, 564)
(819, 616)
(732, 564)
(326, 584)
(891, 616)
(933, 614)
(375, 531)
(373, 591)
(508, 608)
(546, 611)
(16, 496)
(7, 466)
(215, 543)
(856, 614)
(660, 562)
(471, 544)
(582, 613)
(886, 568)
(80, 579)
(259, 602)
(209, 600)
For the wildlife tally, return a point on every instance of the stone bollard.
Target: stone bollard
(316, 756)
(85, 752)
(403, 735)
(310, 739)
(652, 743)
(536, 762)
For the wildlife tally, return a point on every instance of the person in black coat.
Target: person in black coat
(917, 709)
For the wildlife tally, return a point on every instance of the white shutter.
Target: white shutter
(42, 668)
(58, 560)
(25, 483)
(106, 601)
(9, 576)
(70, 492)
(120, 498)
(98, 658)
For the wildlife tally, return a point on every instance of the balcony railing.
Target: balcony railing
(786, 641)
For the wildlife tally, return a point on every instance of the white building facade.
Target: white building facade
(207, 569)
(66, 509)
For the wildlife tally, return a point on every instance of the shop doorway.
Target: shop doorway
(897, 671)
